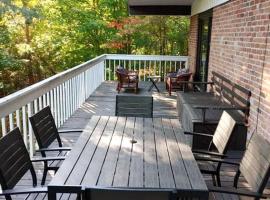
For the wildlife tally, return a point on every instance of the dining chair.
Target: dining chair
(98, 193)
(15, 162)
(46, 133)
(134, 106)
(218, 146)
(255, 168)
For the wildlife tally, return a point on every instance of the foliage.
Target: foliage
(41, 38)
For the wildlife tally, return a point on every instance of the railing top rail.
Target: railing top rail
(146, 57)
(28, 94)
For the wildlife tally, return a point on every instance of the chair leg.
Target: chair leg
(44, 176)
(218, 180)
(214, 180)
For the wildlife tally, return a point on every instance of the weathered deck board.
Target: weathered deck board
(102, 102)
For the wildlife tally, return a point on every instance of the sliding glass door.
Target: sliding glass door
(203, 49)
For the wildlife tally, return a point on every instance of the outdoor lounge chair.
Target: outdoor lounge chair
(174, 81)
(127, 79)
(134, 106)
(98, 193)
(15, 163)
(220, 142)
(46, 133)
(255, 168)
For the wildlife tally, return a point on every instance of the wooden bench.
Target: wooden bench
(134, 106)
(201, 111)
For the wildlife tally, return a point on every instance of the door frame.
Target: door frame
(206, 16)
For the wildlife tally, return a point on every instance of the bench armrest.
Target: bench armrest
(197, 134)
(24, 191)
(195, 82)
(236, 192)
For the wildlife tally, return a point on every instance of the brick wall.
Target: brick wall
(240, 50)
(192, 45)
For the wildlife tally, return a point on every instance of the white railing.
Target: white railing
(146, 65)
(66, 91)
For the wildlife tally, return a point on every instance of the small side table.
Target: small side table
(154, 80)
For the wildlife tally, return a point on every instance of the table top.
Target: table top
(151, 77)
(131, 152)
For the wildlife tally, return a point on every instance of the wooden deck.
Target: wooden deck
(102, 102)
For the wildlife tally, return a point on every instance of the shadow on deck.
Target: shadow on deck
(102, 102)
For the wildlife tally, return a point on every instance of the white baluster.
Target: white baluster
(4, 127)
(11, 123)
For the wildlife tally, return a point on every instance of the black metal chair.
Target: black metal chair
(219, 143)
(255, 168)
(46, 133)
(15, 163)
(134, 106)
(128, 193)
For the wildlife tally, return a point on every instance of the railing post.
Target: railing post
(30, 131)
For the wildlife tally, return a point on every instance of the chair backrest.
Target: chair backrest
(127, 193)
(134, 106)
(223, 132)
(122, 75)
(255, 164)
(44, 128)
(184, 77)
(14, 160)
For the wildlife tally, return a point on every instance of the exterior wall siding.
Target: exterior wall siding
(240, 50)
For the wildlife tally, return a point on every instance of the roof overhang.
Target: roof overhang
(160, 7)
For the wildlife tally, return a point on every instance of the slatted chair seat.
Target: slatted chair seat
(219, 142)
(46, 133)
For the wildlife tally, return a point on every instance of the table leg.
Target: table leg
(153, 85)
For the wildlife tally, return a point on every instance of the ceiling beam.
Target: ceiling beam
(160, 10)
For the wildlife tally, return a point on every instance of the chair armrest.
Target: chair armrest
(70, 130)
(210, 153)
(218, 160)
(43, 159)
(197, 134)
(236, 192)
(54, 149)
(24, 191)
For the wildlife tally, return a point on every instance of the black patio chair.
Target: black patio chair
(15, 163)
(98, 193)
(218, 146)
(255, 168)
(134, 106)
(46, 133)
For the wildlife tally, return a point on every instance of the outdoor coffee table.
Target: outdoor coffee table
(154, 80)
(130, 153)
